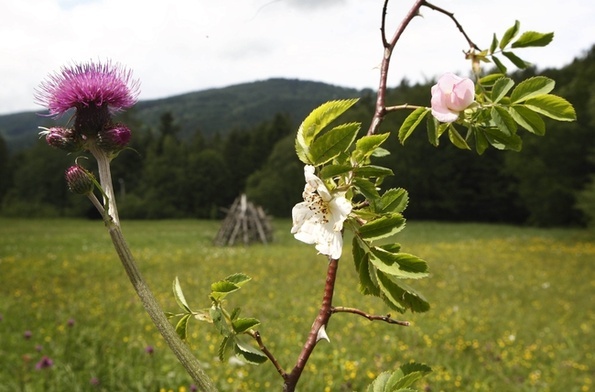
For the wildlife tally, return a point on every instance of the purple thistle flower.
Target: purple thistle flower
(193, 388)
(62, 138)
(70, 322)
(94, 381)
(39, 348)
(27, 335)
(114, 139)
(44, 363)
(88, 85)
(149, 350)
(79, 181)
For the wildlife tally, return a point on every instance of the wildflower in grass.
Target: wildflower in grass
(450, 96)
(70, 323)
(39, 348)
(44, 363)
(94, 90)
(149, 350)
(319, 218)
(27, 335)
(94, 381)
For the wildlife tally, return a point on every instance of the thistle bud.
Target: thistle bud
(79, 180)
(62, 138)
(114, 139)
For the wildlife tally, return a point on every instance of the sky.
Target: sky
(180, 46)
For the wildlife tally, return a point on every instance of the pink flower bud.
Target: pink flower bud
(79, 180)
(450, 96)
(62, 138)
(113, 139)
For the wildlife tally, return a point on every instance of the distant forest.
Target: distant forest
(175, 171)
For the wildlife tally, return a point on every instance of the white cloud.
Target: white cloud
(188, 45)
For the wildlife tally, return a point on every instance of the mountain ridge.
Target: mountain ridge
(212, 111)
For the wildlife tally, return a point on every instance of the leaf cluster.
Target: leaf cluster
(401, 379)
(229, 324)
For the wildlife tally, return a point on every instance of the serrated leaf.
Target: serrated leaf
(552, 106)
(400, 296)
(494, 44)
(501, 67)
(528, 119)
(481, 142)
(533, 39)
(516, 60)
(456, 139)
(379, 383)
(373, 171)
(238, 279)
(501, 88)
(365, 146)
(366, 188)
(406, 376)
(532, 87)
(333, 143)
(360, 258)
(490, 79)
(509, 34)
(249, 354)
(182, 326)
(411, 122)
(382, 227)
(330, 171)
(431, 129)
(179, 296)
(241, 325)
(380, 152)
(224, 348)
(398, 265)
(503, 120)
(221, 289)
(393, 200)
(219, 321)
(501, 141)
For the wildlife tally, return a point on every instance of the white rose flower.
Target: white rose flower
(319, 218)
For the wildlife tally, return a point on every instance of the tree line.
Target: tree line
(551, 182)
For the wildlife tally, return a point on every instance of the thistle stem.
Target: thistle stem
(105, 178)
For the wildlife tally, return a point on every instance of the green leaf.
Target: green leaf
(380, 152)
(532, 39)
(379, 384)
(182, 326)
(432, 125)
(373, 171)
(552, 106)
(382, 227)
(481, 142)
(503, 120)
(366, 146)
(333, 143)
(219, 290)
(494, 44)
(501, 67)
(398, 265)
(400, 296)
(411, 122)
(249, 354)
(528, 119)
(501, 88)
(219, 321)
(532, 87)
(509, 34)
(455, 138)
(238, 279)
(490, 79)
(241, 325)
(393, 200)
(406, 376)
(366, 188)
(330, 171)
(179, 296)
(501, 141)
(516, 60)
(225, 347)
(362, 265)
(315, 122)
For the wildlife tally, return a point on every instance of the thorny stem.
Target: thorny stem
(179, 348)
(381, 110)
(321, 321)
(387, 318)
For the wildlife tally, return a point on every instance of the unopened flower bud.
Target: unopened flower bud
(79, 180)
(62, 138)
(114, 139)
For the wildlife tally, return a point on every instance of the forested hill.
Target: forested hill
(210, 111)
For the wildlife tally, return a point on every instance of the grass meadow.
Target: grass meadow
(512, 309)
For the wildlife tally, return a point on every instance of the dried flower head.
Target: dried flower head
(88, 85)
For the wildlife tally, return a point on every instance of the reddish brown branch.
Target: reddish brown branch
(324, 314)
(268, 353)
(386, 319)
(452, 17)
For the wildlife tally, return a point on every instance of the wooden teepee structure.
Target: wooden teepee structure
(244, 223)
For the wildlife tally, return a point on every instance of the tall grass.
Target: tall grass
(512, 309)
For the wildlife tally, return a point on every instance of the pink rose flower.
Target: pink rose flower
(450, 96)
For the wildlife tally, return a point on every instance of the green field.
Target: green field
(512, 309)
